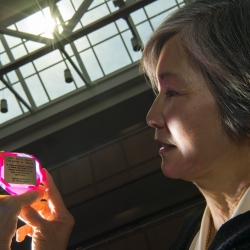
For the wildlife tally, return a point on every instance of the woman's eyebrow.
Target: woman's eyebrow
(168, 75)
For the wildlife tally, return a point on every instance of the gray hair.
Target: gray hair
(216, 36)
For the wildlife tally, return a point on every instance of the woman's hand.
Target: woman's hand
(48, 223)
(10, 208)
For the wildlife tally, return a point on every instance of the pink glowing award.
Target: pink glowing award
(19, 172)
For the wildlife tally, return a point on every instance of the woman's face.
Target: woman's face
(186, 119)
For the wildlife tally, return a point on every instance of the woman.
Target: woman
(198, 61)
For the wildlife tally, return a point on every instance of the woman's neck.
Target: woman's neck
(222, 205)
(223, 198)
(224, 184)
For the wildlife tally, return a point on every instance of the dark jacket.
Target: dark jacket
(233, 235)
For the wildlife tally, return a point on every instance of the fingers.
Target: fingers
(12, 205)
(31, 217)
(42, 208)
(30, 197)
(22, 232)
(54, 196)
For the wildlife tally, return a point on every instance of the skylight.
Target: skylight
(94, 55)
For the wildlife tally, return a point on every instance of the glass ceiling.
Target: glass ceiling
(41, 82)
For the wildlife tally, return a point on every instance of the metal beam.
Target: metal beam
(131, 27)
(27, 36)
(83, 75)
(76, 18)
(19, 75)
(16, 94)
(75, 67)
(80, 62)
(130, 6)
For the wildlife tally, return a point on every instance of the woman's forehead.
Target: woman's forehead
(174, 66)
(172, 60)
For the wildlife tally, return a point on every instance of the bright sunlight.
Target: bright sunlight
(40, 23)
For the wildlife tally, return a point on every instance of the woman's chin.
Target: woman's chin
(176, 171)
(170, 171)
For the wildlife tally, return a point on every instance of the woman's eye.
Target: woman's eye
(171, 93)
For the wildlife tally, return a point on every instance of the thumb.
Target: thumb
(26, 199)
(31, 217)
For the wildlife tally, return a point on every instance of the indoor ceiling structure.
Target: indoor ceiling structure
(90, 38)
(90, 131)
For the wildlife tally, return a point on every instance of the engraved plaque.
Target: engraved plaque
(19, 170)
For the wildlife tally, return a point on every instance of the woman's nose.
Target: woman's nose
(155, 117)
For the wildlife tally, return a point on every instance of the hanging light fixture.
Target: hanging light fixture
(4, 106)
(135, 43)
(118, 3)
(68, 76)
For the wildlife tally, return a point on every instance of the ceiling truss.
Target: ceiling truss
(60, 40)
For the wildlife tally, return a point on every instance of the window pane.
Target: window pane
(36, 90)
(47, 60)
(14, 109)
(69, 50)
(136, 55)
(102, 33)
(47, 34)
(112, 6)
(95, 14)
(19, 89)
(32, 46)
(122, 24)
(82, 43)
(12, 41)
(144, 31)
(91, 64)
(19, 51)
(159, 6)
(66, 9)
(138, 16)
(54, 82)
(12, 76)
(34, 24)
(4, 58)
(77, 3)
(27, 69)
(112, 54)
(77, 27)
(49, 21)
(95, 3)
(12, 27)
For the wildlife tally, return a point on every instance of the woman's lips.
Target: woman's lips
(166, 148)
